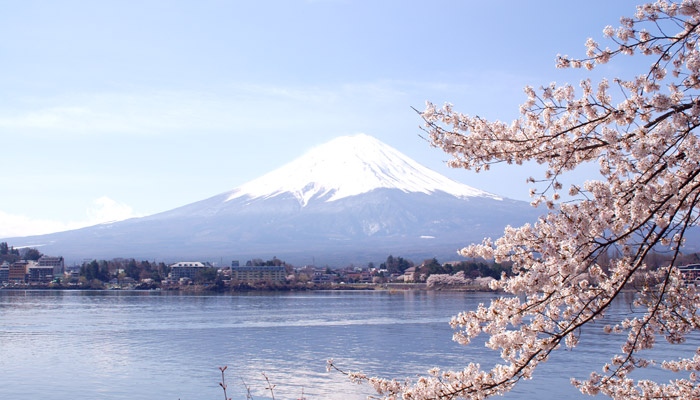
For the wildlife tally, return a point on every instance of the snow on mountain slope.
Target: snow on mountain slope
(348, 166)
(351, 200)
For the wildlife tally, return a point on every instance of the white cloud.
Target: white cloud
(102, 210)
(105, 209)
(20, 225)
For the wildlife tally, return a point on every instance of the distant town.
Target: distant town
(28, 268)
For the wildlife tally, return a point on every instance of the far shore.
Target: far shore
(263, 287)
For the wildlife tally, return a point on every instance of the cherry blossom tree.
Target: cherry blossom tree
(446, 279)
(642, 133)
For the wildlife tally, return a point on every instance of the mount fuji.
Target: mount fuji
(353, 199)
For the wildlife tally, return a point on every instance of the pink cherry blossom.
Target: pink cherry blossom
(646, 199)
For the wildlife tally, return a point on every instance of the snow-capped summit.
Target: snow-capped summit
(352, 200)
(348, 166)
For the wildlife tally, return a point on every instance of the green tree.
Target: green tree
(90, 270)
(396, 265)
(103, 273)
(432, 266)
(132, 270)
(206, 275)
(32, 254)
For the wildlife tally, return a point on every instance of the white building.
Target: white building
(186, 269)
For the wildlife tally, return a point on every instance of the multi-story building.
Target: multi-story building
(4, 272)
(186, 269)
(40, 273)
(55, 262)
(691, 273)
(17, 272)
(250, 274)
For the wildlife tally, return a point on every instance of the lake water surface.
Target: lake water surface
(62, 345)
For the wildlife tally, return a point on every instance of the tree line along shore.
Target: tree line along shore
(27, 268)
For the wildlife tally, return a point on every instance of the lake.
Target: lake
(62, 345)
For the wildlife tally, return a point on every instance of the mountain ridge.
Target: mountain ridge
(352, 200)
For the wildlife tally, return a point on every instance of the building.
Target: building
(55, 262)
(73, 271)
(260, 273)
(4, 272)
(320, 277)
(40, 273)
(186, 269)
(17, 272)
(691, 273)
(358, 277)
(409, 276)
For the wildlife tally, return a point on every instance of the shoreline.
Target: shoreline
(390, 287)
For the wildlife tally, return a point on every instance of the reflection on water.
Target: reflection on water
(152, 345)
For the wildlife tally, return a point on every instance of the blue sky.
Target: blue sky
(111, 109)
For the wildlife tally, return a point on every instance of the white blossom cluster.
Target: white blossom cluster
(648, 197)
(447, 280)
(457, 279)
